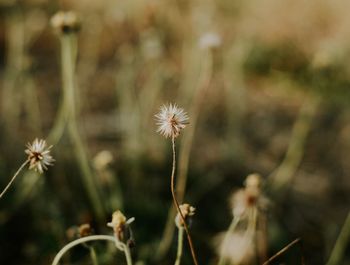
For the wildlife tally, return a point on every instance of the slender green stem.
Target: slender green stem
(13, 178)
(127, 254)
(93, 256)
(68, 65)
(341, 243)
(79, 241)
(283, 175)
(179, 245)
(230, 230)
(177, 204)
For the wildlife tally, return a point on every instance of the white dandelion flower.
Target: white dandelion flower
(39, 155)
(171, 120)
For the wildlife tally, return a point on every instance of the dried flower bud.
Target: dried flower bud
(85, 230)
(121, 228)
(253, 186)
(102, 159)
(65, 22)
(187, 211)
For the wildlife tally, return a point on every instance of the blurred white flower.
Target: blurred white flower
(171, 120)
(237, 248)
(39, 155)
(209, 40)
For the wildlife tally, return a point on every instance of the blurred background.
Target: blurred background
(266, 85)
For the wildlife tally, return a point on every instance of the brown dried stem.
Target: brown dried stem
(177, 204)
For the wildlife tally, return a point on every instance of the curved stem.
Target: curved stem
(179, 246)
(127, 254)
(78, 242)
(230, 230)
(178, 207)
(341, 243)
(93, 256)
(13, 178)
(68, 67)
(283, 174)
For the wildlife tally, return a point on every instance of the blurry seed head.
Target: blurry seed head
(242, 199)
(39, 155)
(65, 22)
(187, 211)
(102, 159)
(171, 120)
(209, 40)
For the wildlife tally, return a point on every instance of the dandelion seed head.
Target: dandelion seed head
(171, 120)
(39, 155)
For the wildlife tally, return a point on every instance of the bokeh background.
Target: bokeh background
(267, 88)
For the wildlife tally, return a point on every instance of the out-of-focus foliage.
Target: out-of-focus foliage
(266, 84)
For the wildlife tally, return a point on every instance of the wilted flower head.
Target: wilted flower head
(187, 211)
(121, 228)
(85, 230)
(65, 22)
(171, 120)
(39, 155)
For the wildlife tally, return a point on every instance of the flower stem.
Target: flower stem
(68, 47)
(78, 242)
(341, 243)
(127, 254)
(93, 256)
(179, 246)
(13, 178)
(177, 204)
(230, 230)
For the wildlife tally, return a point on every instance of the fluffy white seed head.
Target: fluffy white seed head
(39, 155)
(171, 120)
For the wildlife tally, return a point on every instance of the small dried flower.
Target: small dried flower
(85, 230)
(253, 186)
(102, 159)
(65, 22)
(39, 155)
(187, 211)
(171, 120)
(121, 227)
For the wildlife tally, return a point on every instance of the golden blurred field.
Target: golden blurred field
(266, 86)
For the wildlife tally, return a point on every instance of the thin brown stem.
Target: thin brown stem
(279, 253)
(13, 178)
(178, 207)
